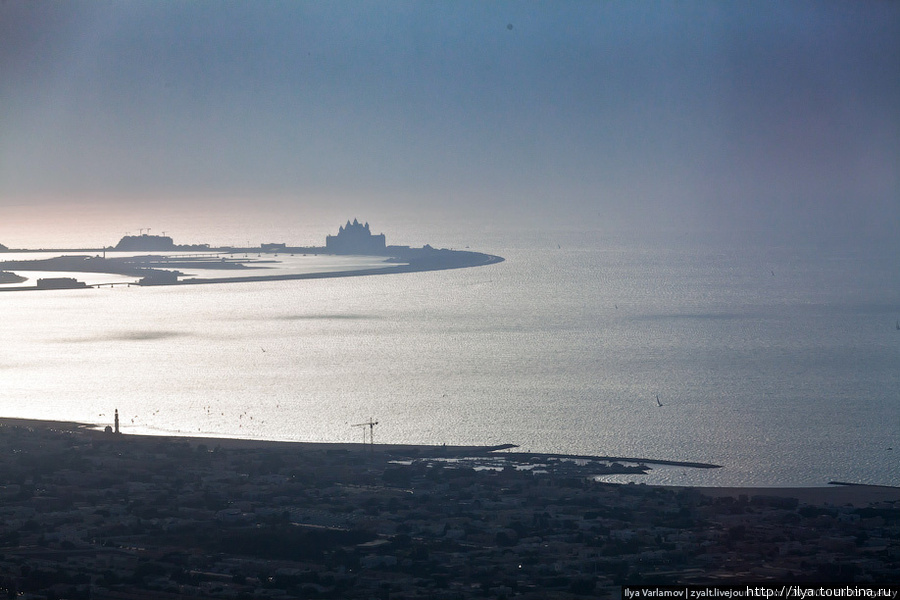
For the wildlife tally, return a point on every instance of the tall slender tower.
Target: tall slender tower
(117, 421)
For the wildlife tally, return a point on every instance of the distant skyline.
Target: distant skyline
(665, 116)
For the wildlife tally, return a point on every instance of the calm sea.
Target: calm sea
(780, 364)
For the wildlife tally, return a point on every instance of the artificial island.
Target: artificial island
(174, 266)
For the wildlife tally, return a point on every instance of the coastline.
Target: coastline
(829, 493)
(136, 516)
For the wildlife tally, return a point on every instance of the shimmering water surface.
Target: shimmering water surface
(782, 365)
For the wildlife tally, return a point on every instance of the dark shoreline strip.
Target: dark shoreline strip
(836, 493)
(406, 450)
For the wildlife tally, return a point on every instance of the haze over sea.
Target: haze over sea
(779, 362)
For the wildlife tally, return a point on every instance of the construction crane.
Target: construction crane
(371, 425)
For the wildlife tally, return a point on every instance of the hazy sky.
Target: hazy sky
(683, 115)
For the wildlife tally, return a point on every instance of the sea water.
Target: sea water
(779, 363)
